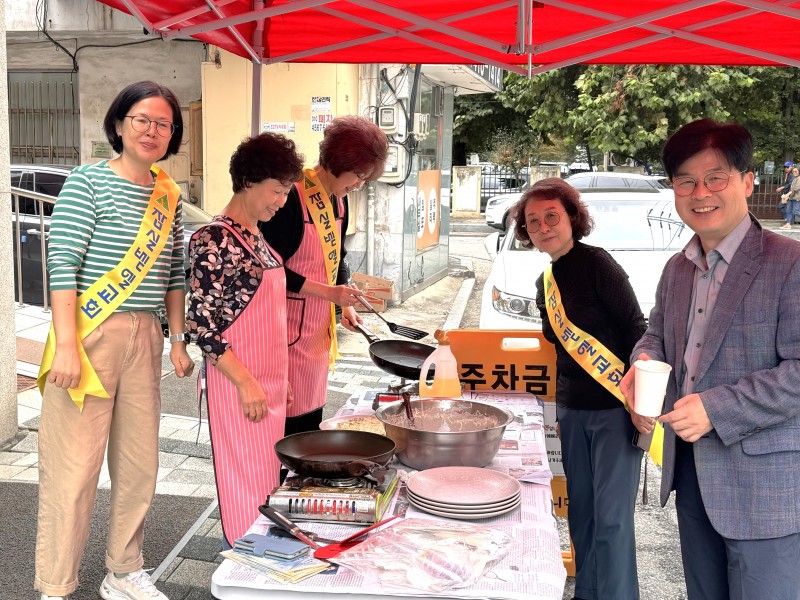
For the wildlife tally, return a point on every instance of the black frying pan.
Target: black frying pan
(397, 357)
(334, 452)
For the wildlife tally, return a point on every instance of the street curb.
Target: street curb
(459, 307)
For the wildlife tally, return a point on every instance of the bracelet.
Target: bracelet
(177, 337)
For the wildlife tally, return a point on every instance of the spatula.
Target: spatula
(332, 550)
(409, 332)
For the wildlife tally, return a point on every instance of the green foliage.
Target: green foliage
(632, 109)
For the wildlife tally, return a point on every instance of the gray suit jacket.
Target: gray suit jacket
(748, 465)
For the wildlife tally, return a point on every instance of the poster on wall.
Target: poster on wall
(429, 209)
(320, 104)
(319, 121)
(279, 126)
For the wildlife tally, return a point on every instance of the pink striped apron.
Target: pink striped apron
(307, 321)
(245, 465)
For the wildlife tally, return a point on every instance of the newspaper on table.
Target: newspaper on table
(533, 569)
(285, 571)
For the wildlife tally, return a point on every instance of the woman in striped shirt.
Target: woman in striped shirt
(115, 256)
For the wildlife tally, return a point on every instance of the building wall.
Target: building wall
(103, 72)
(68, 15)
(287, 106)
(8, 362)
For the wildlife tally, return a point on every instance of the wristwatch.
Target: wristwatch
(177, 337)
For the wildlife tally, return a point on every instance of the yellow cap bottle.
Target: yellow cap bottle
(445, 377)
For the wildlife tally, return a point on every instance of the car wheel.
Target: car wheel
(505, 222)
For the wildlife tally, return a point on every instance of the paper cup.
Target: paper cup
(650, 386)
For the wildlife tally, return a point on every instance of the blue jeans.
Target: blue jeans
(602, 468)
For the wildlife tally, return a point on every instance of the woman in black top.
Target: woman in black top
(600, 462)
(309, 234)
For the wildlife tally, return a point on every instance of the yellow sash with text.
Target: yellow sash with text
(320, 208)
(593, 357)
(108, 293)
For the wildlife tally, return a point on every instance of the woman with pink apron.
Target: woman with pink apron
(309, 235)
(237, 314)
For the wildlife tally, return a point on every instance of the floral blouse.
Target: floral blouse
(223, 279)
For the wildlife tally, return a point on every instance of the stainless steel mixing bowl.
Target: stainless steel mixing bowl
(421, 449)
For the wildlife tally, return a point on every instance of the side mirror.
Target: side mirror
(492, 244)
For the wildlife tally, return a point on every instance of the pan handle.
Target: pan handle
(371, 337)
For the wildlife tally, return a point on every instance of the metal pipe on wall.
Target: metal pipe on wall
(370, 228)
(371, 71)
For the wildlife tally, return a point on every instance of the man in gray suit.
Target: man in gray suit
(725, 318)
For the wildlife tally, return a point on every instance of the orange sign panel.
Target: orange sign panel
(429, 208)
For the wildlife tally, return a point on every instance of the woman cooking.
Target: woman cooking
(309, 234)
(237, 313)
(588, 308)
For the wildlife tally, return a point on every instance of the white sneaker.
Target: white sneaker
(134, 586)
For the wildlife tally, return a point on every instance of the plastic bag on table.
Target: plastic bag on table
(426, 555)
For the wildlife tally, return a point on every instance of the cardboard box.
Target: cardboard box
(374, 287)
(378, 304)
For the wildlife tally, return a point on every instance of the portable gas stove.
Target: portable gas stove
(352, 500)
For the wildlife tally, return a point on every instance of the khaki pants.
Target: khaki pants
(126, 352)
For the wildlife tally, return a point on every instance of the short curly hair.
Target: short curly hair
(265, 156)
(355, 145)
(548, 189)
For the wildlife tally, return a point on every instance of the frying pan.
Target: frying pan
(397, 357)
(334, 452)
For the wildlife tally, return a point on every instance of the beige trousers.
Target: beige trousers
(126, 352)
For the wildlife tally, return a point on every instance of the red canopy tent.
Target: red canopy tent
(513, 34)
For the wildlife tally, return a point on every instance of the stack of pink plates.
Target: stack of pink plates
(463, 492)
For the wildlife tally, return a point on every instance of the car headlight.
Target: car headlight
(518, 307)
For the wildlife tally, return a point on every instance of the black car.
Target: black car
(33, 216)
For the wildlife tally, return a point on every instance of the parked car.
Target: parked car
(617, 181)
(640, 230)
(48, 180)
(497, 207)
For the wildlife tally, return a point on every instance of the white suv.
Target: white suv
(498, 207)
(641, 230)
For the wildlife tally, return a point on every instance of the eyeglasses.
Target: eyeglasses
(551, 219)
(714, 182)
(142, 125)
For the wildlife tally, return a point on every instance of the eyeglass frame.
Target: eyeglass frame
(696, 181)
(150, 124)
(557, 214)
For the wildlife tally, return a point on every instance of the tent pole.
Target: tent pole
(258, 71)
(255, 115)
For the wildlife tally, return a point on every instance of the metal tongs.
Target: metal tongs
(409, 332)
(406, 396)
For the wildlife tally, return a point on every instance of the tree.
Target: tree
(477, 118)
(631, 110)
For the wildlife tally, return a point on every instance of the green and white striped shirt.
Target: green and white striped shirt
(95, 221)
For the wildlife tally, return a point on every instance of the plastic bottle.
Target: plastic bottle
(445, 377)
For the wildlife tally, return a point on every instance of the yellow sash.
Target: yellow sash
(320, 208)
(593, 357)
(106, 294)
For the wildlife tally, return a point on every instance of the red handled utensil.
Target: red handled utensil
(285, 524)
(332, 550)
